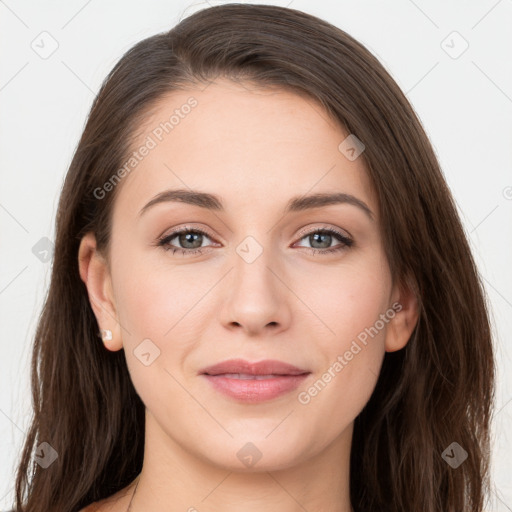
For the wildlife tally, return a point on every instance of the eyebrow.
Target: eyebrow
(295, 204)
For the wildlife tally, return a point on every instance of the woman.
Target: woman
(257, 225)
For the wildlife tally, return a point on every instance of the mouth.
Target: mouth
(267, 368)
(254, 382)
(246, 376)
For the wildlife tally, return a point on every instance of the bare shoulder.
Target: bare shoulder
(98, 506)
(93, 507)
(103, 506)
(116, 503)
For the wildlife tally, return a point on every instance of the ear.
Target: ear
(95, 273)
(400, 327)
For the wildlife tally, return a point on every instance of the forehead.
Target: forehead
(255, 146)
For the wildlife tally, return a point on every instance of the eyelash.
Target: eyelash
(164, 241)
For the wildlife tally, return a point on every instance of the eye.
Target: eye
(191, 241)
(321, 239)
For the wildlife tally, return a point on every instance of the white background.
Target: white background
(465, 104)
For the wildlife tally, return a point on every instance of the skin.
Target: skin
(255, 148)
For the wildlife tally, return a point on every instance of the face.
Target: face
(256, 273)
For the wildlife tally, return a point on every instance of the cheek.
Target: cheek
(155, 299)
(350, 303)
(150, 302)
(156, 309)
(345, 299)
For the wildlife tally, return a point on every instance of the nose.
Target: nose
(256, 297)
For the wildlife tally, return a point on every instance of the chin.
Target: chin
(257, 453)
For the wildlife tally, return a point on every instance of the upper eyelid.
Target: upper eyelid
(186, 229)
(305, 232)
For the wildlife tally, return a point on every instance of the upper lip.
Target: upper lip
(266, 367)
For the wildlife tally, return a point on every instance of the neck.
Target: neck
(173, 476)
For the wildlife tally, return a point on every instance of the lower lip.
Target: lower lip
(252, 390)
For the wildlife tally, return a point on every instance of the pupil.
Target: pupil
(316, 236)
(186, 238)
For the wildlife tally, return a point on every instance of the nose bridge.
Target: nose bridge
(255, 297)
(252, 276)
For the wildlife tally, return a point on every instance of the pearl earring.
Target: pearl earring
(106, 335)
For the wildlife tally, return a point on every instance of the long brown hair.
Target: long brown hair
(437, 390)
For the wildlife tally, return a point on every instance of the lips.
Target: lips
(239, 368)
(254, 382)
